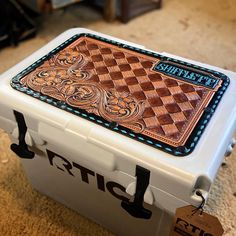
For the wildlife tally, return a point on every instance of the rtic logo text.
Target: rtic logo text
(184, 228)
(64, 165)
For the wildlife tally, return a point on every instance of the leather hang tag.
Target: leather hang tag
(188, 223)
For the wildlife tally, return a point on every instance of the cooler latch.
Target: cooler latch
(136, 208)
(21, 149)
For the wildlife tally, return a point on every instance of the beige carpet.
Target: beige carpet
(200, 30)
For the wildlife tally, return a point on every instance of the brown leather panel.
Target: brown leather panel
(120, 85)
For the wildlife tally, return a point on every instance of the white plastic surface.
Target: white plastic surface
(173, 179)
(177, 174)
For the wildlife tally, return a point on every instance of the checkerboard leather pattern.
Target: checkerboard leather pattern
(172, 107)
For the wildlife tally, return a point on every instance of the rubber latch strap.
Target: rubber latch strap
(21, 149)
(136, 208)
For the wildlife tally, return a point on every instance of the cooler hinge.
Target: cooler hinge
(21, 149)
(136, 208)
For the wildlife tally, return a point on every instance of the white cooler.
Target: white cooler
(128, 182)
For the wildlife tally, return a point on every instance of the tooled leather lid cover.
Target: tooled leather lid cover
(157, 100)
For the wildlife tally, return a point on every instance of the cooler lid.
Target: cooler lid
(162, 102)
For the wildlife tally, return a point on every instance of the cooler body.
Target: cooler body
(97, 196)
(112, 163)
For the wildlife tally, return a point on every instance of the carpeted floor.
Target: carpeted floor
(200, 30)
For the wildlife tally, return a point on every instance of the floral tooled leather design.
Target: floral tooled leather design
(65, 80)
